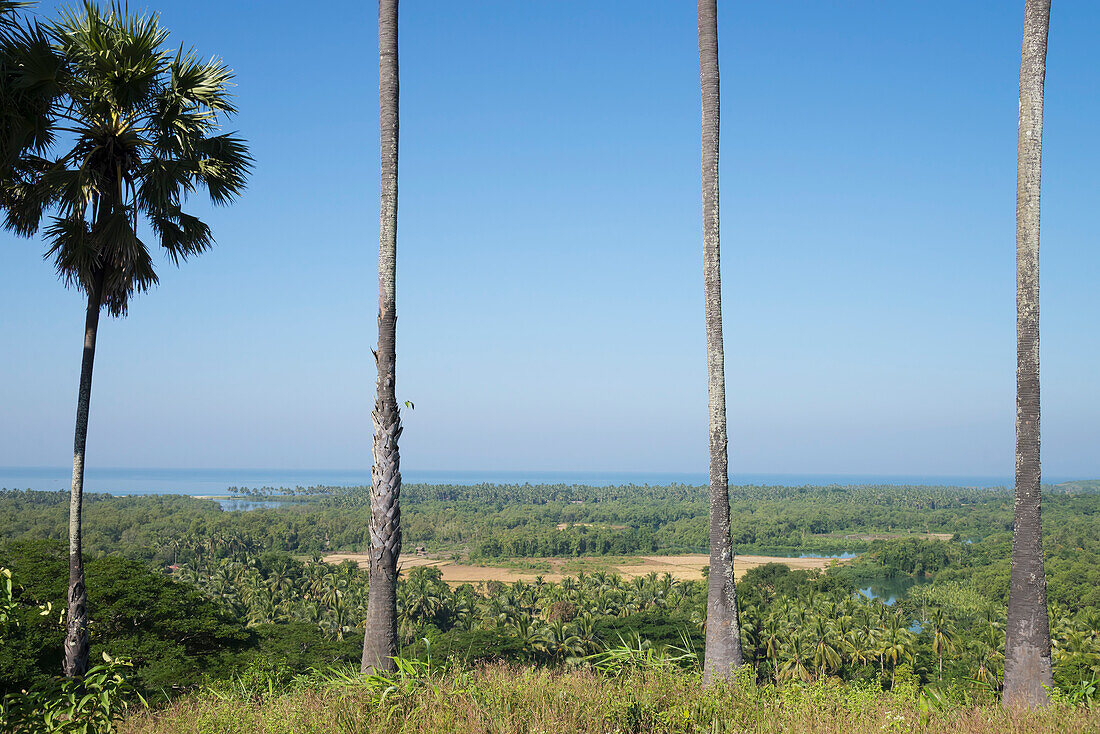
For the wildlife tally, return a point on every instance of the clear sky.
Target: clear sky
(549, 273)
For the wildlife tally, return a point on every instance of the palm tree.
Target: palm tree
(585, 629)
(824, 652)
(560, 641)
(380, 635)
(142, 123)
(793, 666)
(1028, 673)
(943, 639)
(859, 646)
(896, 646)
(723, 640)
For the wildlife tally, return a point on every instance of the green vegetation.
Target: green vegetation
(511, 521)
(653, 697)
(200, 599)
(522, 521)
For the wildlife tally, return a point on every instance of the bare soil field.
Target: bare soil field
(565, 525)
(684, 567)
(887, 536)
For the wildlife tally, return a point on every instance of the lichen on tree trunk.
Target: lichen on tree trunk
(76, 645)
(723, 639)
(1028, 674)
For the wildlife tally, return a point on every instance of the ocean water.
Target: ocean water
(129, 481)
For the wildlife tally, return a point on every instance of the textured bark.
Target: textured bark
(76, 627)
(380, 637)
(723, 639)
(1027, 644)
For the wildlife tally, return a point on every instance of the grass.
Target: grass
(502, 699)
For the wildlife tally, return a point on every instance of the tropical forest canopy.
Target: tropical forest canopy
(220, 592)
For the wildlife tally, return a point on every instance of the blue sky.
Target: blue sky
(550, 281)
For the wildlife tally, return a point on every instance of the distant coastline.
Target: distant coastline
(216, 482)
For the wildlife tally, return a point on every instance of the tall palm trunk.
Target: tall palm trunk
(723, 640)
(380, 638)
(1027, 642)
(76, 628)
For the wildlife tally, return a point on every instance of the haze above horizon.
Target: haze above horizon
(549, 274)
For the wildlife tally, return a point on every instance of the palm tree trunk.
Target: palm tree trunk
(380, 638)
(723, 640)
(76, 628)
(1027, 642)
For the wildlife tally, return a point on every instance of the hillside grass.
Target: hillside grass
(502, 699)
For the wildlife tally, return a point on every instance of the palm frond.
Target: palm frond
(30, 76)
(224, 167)
(70, 189)
(8, 10)
(72, 250)
(194, 82)
(137, 277)
(22, 197)
(182, 235)
(163, 183)
(116, 57)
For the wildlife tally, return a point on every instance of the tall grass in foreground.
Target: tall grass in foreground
(503, 699)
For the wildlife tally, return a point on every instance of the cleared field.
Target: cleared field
(685, 567)
(565, 525)
(886, 536)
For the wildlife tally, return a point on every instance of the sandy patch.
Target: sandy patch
(564, 525)
(890, 536)
(683, 567)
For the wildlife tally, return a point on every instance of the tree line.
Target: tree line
(218, 615)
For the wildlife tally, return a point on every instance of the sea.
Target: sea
(214, 482)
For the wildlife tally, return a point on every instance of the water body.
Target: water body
(129, 481)
(889, 589)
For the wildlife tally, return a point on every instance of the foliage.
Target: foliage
(132, 128)
(90, 704)
(915, 556)
(171, 632)
(7, 603)
(293, 614)
(638, 652)
(513, 700)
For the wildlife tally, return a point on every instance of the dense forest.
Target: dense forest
(527, 520)
(503, 522)
(194, 594)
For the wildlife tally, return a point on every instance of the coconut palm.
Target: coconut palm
(140, 125)
(943, 638)
(723, 640)
(560, 641)
(380, 635)
(1028, 674)
(859, 646)
(824, 651)
(585, 629)
(795, 657)
(772, 642)
(896, 646)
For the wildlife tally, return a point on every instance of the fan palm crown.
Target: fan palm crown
(135, 130)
